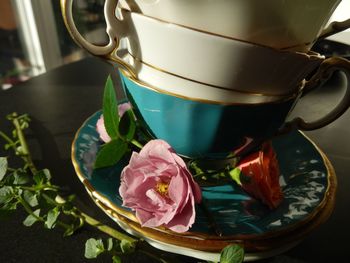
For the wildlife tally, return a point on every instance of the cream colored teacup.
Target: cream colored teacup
(173, 85)
(274, 23)
(208, 59)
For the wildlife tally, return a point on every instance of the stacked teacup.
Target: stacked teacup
(216, 78)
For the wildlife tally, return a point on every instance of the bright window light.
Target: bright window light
(26, 21)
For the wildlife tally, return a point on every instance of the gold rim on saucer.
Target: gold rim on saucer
(322, 211)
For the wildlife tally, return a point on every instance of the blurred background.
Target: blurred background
(33, 38)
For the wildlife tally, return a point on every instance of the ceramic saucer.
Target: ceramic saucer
(307, 179)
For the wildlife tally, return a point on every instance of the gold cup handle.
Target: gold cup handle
(116, 29)
(334, 28)
(324, 72)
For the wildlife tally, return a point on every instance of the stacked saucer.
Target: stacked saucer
(230, 215)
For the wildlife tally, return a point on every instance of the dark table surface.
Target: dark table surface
(60, 100)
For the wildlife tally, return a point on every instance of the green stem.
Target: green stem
(29, 209)
(6, 138)
(25, 154)
(106, 229)
(41, 187)
(63, 225)
(24, 146)
(50, 200)
(93, 222)
(136, 143)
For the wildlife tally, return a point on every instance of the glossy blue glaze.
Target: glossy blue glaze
(304, 180)
(198, 129)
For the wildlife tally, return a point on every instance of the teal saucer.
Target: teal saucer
(306, 179)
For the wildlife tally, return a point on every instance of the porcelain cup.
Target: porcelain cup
(167, 83)
(290, 24)
(200, 57)
(202, 129)
(274, 23)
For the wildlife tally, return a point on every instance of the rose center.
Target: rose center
(162, 188)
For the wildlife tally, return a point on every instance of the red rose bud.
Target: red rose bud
(258, 174)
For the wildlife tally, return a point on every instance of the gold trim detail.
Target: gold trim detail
(284, 49)
(207, 84)
(158, 90)
(214, 243)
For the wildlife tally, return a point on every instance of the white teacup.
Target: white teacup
(165, 83)
(274, 23)
(201, 57)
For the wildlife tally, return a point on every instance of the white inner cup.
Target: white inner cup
(274, 23)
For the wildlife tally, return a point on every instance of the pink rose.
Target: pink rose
(100, 125)
(159, 188)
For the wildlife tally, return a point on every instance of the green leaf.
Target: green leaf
(127, 125)
(232, 254)
(111, 153)
(110, 244)
(235, 175)
(30, 198)
(93, 248)
(10, 206)
(31, 219)
(110, 109)
(42, 176)
(21, 178)
(6, 194)
(126, 246)
(3, 167)
(51, 218)
(116, 259)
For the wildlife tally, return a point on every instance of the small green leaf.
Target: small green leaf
(110, 109)
(93, 248)
(21, 178)
(116, 259)
(126, 246)
(235, 175)
(42, 176)
(232, 254)
(127, 125)
(3, 167)
(47, 174)
(30, 198)
(51, 218)
(111, 153)
(110, 244)
(31, 219)
(6, 194)
(10, 205)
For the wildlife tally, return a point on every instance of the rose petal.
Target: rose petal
(101, 129)
(123, 107)
(184, 220)
(159, 187)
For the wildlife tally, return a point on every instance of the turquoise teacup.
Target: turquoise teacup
(204, 129)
